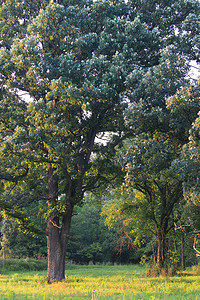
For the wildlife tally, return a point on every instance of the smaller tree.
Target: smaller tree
(148, 162)
(185, 123)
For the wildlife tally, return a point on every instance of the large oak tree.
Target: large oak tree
(80, 62)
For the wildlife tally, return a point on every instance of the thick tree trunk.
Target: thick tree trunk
(55, 248)
(57, 240)
(57, 235)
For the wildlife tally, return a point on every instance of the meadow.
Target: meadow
(98, 282)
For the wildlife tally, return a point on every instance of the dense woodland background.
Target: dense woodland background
(92, 242)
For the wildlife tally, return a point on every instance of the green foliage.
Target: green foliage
(130, 210)
(10, 265)
(6, 231)
(25, 245)
(92, 242)
(15, 243)
(150, 213)
(183, 106)
(69, 74)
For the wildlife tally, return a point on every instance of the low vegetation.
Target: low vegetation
(16, 265)
(97, 282)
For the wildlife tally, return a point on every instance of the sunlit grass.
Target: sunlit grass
(99, 282)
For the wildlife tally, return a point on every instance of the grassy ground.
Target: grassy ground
(99, 282)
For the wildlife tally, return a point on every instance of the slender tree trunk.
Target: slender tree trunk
(57, 235)
(161, 249)
(175, 245)
(154, 253)
(183, 252)
(160, 254)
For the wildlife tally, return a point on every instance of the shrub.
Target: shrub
(196, 270)
(22, 264)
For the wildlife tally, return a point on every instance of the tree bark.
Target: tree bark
(183, 251)
(161, 249)
(55, 270)
(57, 235)
(57, 240)
(160, 252)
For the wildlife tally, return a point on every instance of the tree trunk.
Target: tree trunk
(57, 240)
(161, 249)
(154, 253)
(160, 254)
(55, 270)
(183, 251)
(57, 236)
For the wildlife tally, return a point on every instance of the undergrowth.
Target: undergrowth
(99, 282)
(8, 265)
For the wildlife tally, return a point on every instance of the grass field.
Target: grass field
(99, 282)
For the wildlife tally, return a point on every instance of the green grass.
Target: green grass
(99, 282)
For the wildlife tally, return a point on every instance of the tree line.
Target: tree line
(93, 242)
(112, 110)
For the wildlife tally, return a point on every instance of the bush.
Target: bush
(154, 271)
(22, 265)
(196, 270)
